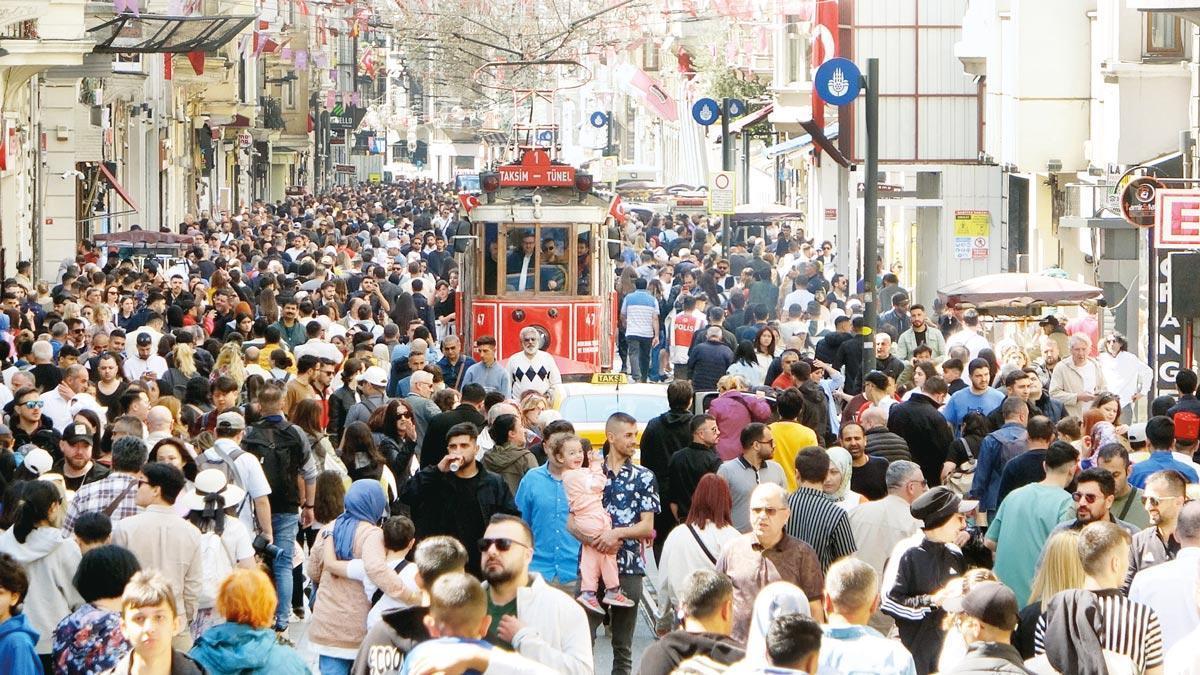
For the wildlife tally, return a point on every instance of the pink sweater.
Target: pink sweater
(340, 617)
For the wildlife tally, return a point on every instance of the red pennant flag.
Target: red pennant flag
(468, 202)
(197, 61)
(616, 211)
(168, 66)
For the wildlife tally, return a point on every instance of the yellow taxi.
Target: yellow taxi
(587, 405)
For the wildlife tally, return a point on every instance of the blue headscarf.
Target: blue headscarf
(365, 503)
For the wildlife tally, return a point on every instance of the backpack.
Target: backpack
(216, 563)
(278, 447)
(227, 465)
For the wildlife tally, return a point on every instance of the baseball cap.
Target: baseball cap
(144, 339)
(1049, 321)
(78, 432)
(38, 462)
(1137, 432)
(937, 505)
(990, 601)
(376, 376)
(231, 420)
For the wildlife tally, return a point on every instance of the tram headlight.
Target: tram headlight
(489, 182)
(583, 183)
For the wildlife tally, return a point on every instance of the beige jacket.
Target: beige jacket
(1066, 383)
(164, 541)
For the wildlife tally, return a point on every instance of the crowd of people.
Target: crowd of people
(281, 437)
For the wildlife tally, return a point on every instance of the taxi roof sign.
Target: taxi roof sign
(610, 378)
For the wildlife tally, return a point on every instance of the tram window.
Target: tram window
(554, 261)
(521, 260)
(491, 261)
(583, 253)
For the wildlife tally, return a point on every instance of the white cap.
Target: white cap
(376, 376)
(38, 462)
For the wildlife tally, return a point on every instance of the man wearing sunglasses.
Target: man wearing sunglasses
(528, 615)
(1095, 492)
(1164, 497)
(29, 425)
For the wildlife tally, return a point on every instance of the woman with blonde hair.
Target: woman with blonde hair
(1061, 570)
(954, 645)
(230, 363)
(183, 368)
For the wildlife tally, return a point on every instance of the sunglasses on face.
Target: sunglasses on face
(33, 404)
(1090, 499)
(769, 511)
(1155, 501)
(502, 544)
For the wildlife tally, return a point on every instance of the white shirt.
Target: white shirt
(682, 555)
(131, 341)
(61, 411)
(1184, 658)
(356, 570)
(135, 366)
(1170, 590)
(1126, 375)
(254, 481)
(968, 338)
(800, 296)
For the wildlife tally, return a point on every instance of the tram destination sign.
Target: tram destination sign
(526, 175)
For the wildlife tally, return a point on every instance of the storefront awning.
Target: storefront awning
(736, 126)
(158, 34)
(116, 185)
(799, 143)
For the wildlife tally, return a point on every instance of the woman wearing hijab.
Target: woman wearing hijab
(339, 620)
(837, 483)
(774, 600)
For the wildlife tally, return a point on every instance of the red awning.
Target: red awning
(116, 185)
(736, 126)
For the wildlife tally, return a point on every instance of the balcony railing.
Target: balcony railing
(21, 30)
(272, 113)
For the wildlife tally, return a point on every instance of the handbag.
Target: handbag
(959, 480)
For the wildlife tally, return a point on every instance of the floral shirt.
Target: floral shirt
(88, 641)
(630, 492)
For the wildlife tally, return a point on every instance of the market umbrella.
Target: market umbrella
(1016, 290)
(140, 237)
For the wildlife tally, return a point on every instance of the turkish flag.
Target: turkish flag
(616, 211)
(197, 61)
(468, 202)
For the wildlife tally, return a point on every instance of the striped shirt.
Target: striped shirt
(1130, 629)
(639, 310)
(822, 524)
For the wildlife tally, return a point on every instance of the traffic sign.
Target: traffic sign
(606, 169)
(1139, 201)
(598, 119)
(1178, 219)
(722, 192)
(838, 81)
(735, 107)
(706, 111)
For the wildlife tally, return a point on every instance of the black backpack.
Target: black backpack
(278, 447)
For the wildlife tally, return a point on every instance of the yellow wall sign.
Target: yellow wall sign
(972, 224)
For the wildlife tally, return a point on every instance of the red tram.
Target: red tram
(539, 253)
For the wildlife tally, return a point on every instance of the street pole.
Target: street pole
(726, 165)
(608, 129)
(871, 215)
(745, 165)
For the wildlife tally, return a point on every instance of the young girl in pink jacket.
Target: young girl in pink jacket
(585, 495)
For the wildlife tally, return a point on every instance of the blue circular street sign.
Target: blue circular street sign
(598, 119)
(737, 107)
(838, 81)
(706, 111)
